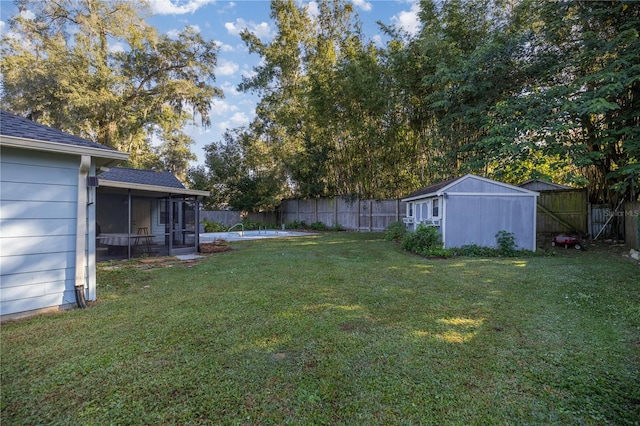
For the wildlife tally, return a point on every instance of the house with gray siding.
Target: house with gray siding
(473, 209)
(47, 216)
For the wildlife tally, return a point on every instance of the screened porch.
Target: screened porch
(132, 221)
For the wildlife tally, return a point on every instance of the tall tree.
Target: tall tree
(237, 180)
(96, 69)
(576, 110)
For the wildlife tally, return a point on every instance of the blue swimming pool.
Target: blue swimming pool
(208, 237)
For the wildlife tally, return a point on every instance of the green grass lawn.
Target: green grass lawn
(337, 329)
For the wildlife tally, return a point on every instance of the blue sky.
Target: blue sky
(222, 21)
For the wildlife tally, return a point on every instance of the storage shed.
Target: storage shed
(472, 210)
(47, 216)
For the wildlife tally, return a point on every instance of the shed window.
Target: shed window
(436, 207)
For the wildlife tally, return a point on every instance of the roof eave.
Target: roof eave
(422, 196)
(104, 157)
(153, 188)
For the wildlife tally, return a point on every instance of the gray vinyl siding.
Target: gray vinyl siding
(37, 229)
(478, 186)
(477, 220)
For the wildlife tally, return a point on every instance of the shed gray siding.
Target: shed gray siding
(477, 220)
(38, 195)
(477, 186)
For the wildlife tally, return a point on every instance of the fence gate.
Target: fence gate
(563, 211)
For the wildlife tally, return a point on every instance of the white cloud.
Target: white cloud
(173, 34)
(28, 15)
(236, 120)
(408, 20)
(171, 7)
(2, 27)
(362, 4)
(224, 47)
(312, 10)
(247, 72)
(116, 48)
(226, 67)
(229, 89)
(261, 30)
(222, 107)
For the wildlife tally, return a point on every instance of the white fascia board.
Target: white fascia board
(63, 148)
(495, 182)
(152, 188)
(490, 194)
(422, 197)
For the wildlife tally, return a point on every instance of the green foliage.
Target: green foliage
(438, 252)
(423, 239)
(57, 69)
(211, 226)
(238, 176)
(318, 226)
(295, 225)
(426, 241)
(536, 89)
(506, 243)
(474, 250)
(395, 231)
(250, 224)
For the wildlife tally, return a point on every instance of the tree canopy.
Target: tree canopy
(512, 90)
(509, 89)
(96, 69)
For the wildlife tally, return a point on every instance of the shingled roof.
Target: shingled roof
(19, 127)
(142, 177)
(432, 188)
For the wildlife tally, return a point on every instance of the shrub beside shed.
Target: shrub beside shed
(473, 209)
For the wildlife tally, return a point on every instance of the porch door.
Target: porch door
(183, 225)
(140, 214)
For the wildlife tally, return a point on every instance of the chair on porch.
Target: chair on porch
(145, 239)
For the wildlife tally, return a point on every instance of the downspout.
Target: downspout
(443, 219)
(535, 222)
(81, 230)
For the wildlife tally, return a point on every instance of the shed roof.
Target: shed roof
(541, 185)
(442, 187)
(23, 133)
(431, 189)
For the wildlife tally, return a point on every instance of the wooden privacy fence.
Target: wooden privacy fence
(632, 225)
(225, 217)
(563, 211)
(351, 214)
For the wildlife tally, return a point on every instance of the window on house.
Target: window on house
(435, 208)
(410, 207)
(163, 212)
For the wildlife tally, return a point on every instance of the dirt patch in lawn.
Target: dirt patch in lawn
(216, 247)
(167, 261)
